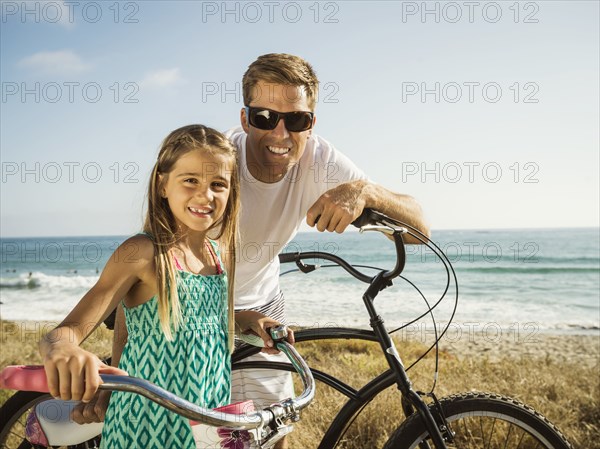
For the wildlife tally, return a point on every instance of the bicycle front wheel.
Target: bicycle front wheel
(14, 414)
(483, 421)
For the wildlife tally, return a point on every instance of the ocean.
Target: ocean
(519, 281)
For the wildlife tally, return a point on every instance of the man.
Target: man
(289, 174)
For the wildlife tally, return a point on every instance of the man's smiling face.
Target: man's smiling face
(271, 153)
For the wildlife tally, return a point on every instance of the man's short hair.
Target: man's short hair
(281, 68)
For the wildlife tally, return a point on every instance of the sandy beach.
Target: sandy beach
(559, 348)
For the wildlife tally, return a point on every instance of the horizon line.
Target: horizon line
(350, 230)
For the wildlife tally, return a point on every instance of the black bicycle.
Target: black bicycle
(462, 421)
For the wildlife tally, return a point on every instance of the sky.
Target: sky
(486, 112)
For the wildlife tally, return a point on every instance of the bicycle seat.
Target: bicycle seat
(50, 424)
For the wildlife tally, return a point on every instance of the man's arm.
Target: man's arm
(340, 206)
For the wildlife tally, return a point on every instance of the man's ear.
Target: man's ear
(244, 120)
(313, 125)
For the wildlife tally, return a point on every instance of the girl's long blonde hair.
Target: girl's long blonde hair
(162, 226)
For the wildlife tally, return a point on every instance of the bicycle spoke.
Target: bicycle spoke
(487, 432)
(520, 441)
(491, 433)
(25, 445)
(465, 432)
(17, 432)
(15, 438)
(508, 437)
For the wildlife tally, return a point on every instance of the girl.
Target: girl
(177, 299)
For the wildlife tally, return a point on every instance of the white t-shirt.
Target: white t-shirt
(272, 213)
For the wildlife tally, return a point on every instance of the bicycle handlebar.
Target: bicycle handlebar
(33, 379)
(369, 220)
(287, 409)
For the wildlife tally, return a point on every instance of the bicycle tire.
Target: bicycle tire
(484, 421)
(14, 413)
(13, 416)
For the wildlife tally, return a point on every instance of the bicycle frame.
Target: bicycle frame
(358, 399)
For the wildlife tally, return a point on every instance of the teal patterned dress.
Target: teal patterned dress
(195, 365)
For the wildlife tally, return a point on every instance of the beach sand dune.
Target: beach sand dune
(559, 348)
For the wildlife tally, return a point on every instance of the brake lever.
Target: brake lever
(278, 334)
(304, 268)
(252, 339)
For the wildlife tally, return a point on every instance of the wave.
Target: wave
(529, 270)
(19, 284)
(38, 280)
(582, 259)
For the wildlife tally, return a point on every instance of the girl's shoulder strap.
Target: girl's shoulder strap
(214, 245)
(214, 249)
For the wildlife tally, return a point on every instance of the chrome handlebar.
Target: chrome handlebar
(278, 412)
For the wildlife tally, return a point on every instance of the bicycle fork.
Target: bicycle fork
(393, 358)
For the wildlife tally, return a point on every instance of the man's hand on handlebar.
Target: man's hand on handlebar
(255, 322)
(337, 208)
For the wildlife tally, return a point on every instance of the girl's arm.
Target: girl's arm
(71, 371)
(256, 322)
(95, 410)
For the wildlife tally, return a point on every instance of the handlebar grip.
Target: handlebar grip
(33, 377)
(24, 378)
(368, 216)
(287, 257)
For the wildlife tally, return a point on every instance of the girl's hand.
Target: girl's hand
(255, 322)
(93, 411)
(72, 372)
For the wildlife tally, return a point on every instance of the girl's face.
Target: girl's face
(197, 189)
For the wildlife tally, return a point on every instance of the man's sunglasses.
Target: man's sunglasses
(266, 119)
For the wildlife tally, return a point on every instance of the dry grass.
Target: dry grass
(566, 393)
